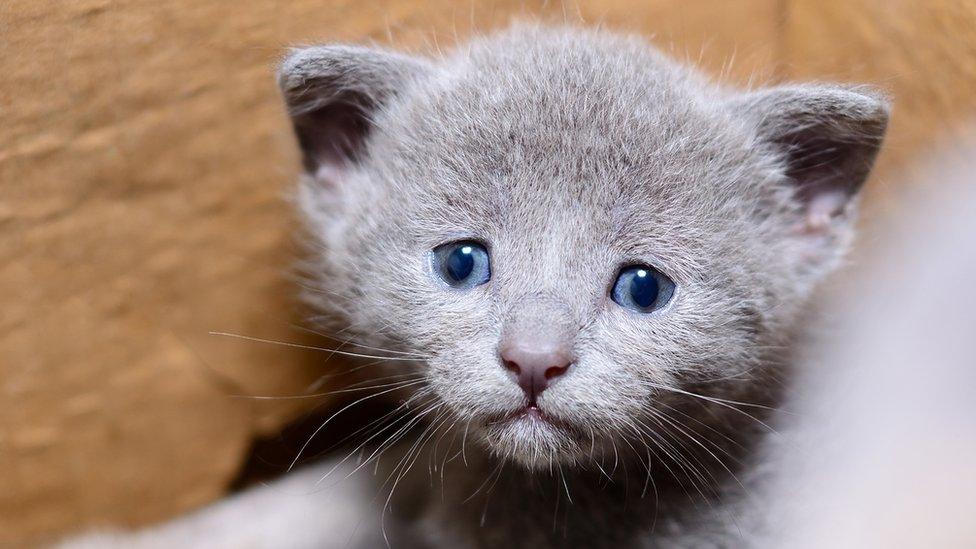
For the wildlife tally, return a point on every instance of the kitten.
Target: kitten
(589, 263)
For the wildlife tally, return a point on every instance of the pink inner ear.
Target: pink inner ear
(822, 208)
(328, 174)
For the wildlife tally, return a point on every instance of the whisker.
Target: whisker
(391, 441)
(359, 449)
(369, 428)
(401, 470)
(691, 436)
(357, 344)
(721, 402)
(402, 383)
(703, 424)
(311, 347)
(484, 483)
(692, 474)
(336, 414)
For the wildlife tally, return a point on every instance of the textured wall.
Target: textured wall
(144, 159)
(922, 51)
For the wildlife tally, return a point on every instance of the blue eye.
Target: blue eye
(462, 264)
(643, 289)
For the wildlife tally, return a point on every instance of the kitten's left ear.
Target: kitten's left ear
(827, 137)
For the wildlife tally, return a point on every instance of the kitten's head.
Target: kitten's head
(576, 231)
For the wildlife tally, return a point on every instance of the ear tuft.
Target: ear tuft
(332, 94)
(828, 138)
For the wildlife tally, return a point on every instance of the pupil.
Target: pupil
(643, 289)
(460, 263)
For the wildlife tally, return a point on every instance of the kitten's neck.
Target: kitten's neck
(481, 501)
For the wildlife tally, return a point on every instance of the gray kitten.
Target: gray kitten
(588, 261)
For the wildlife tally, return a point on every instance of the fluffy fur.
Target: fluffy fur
(571, 153)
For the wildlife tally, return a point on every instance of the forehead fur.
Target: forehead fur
(577, 132)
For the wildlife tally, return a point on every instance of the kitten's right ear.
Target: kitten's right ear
(332, 94)
(826, 137)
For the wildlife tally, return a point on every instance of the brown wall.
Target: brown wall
(143, 161)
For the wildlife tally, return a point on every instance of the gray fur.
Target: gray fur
(572, 153)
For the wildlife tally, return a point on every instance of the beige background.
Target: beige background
(144, 158)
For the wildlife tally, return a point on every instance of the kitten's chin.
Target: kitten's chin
(532, 440)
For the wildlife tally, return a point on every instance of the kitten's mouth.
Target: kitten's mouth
(533, 437)
(529, 416)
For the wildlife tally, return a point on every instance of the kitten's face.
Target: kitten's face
(567, 163)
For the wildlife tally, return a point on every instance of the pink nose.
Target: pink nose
(535, 367)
